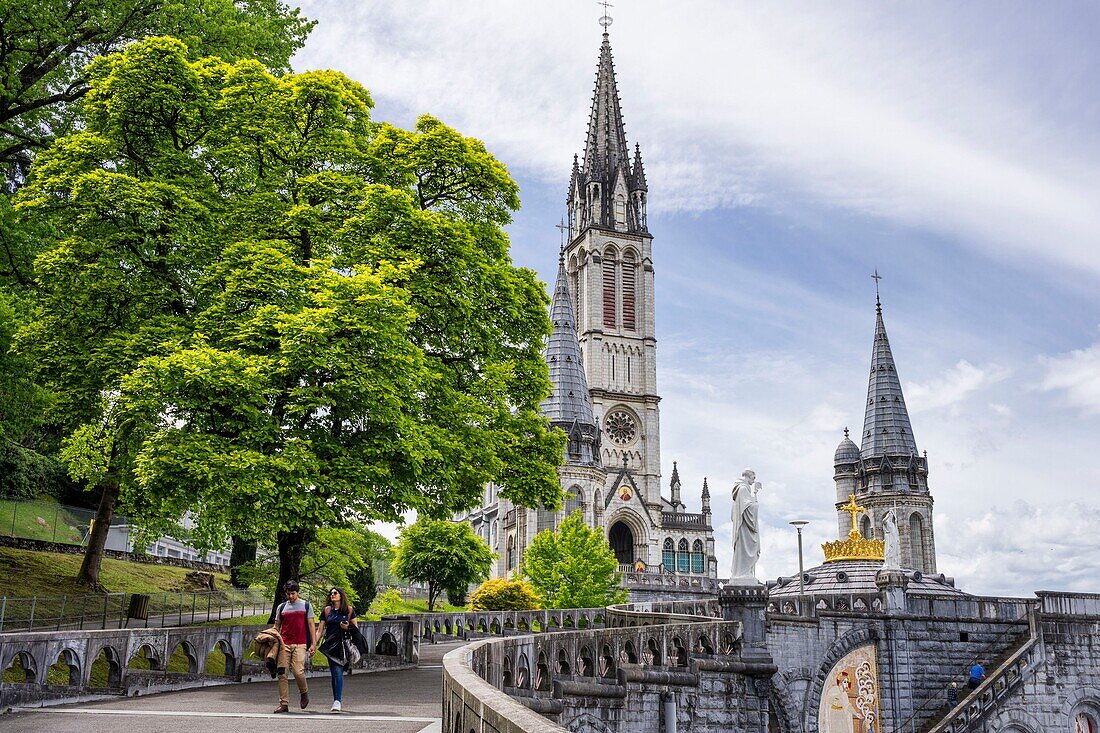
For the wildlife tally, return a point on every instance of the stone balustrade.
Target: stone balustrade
(392, 643)
(476, 624)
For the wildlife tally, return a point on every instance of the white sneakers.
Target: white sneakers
(335, 706)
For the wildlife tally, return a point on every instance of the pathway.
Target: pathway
(404, 701)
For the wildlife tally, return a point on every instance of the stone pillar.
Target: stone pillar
(892, 585)
(745, 603)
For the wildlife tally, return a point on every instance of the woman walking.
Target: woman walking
(336, 619)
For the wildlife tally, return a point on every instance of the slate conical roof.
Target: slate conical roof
(886, 428)
(569, 400)
(605, 148)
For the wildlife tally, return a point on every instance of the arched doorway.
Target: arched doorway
(621, 540)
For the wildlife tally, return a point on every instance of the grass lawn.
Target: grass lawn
(43, 519)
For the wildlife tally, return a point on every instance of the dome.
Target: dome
(847, 451)
(847, 577)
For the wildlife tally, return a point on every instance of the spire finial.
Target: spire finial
(605, 19)
(561, 227)
(876, 277)
(845, 432)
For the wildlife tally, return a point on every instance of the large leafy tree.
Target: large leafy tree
(573, 567)
(448, 556)
(262, 307)
(45, 46)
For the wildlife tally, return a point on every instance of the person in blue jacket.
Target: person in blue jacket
(977, 674)
(337, 619)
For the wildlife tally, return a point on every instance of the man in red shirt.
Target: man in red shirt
(294, 620)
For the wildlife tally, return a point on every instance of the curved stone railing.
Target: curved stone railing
(475, 624)
(392, 644)
(500, 684)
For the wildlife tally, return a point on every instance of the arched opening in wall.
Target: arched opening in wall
(575, 289)
(21, 670)
(865, 527)
(106, 670)
(574, 500)
(144, 658)
(630, 269)
(620, 212)
(1084, 723)
(668, 558)
(610, 294)
(621, 540)
(387, 646)
(697, 556)
(183, 659)
(916, 542)
(65, 671)
(683, 557)
(220, 660)
(511, 552)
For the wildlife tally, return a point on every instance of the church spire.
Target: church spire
(569, 399)
(608, 190)
(886, 428)
(605, 149)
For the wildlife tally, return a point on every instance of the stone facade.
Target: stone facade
(602, 358)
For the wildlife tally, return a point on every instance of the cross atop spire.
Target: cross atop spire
(876, 277)
(605, 19)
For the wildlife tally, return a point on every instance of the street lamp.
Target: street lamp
(799, 524)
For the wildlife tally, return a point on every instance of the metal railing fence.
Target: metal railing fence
(111, 610)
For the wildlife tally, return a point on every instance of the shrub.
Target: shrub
(501, 594)
(387, 603)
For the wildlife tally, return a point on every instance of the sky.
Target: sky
(791, 150)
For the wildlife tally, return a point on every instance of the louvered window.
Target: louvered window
(609, 294)
(629, 272)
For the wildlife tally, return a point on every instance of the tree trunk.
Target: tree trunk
(291, 546)
(97, 537)
(244, 551)
(431, 596)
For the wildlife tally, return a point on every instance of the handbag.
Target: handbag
(351, 652)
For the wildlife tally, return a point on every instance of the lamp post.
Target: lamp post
(799, 524)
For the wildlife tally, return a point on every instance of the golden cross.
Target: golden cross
(852, 508)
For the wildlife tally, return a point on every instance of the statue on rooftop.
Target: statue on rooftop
(892, 540)
(746, 529)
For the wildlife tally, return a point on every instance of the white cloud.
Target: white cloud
(953, 387)
(1077, 375)
(892, 114)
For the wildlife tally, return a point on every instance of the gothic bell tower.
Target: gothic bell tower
(609, 261)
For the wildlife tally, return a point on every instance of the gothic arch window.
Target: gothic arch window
(574, 500)
(630, 270)
(610, 291)
(620, 212)
(697, 556)
(494, 538)
(1084, 723)
(916, 541)
(865, 527)
(511, 552)
(547, 519)
(575, 287)
(668, 558)
(683, 557)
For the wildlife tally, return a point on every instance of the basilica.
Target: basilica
(602, 357)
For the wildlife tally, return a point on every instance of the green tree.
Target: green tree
(502, 594)
(445, 555)
(573, 567)
(259, 306)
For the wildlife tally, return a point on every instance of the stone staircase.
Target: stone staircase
(1007, 672)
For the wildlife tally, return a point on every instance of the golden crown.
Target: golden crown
(856, 547)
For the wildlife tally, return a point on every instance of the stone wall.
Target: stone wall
(392, 644)
(1050, 681)
(919, 650)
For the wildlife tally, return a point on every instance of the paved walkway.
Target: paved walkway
(405, 701)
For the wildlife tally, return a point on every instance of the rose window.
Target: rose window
(621, 428)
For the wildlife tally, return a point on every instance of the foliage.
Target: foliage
(445, 555)
(45, 45)
(255, 302)
(502, 594)
(387, 603)
(362, 585)
(573, 567)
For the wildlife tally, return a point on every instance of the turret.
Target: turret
(674, 484)
(706, 501)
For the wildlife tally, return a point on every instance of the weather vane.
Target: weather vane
(605, 19)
